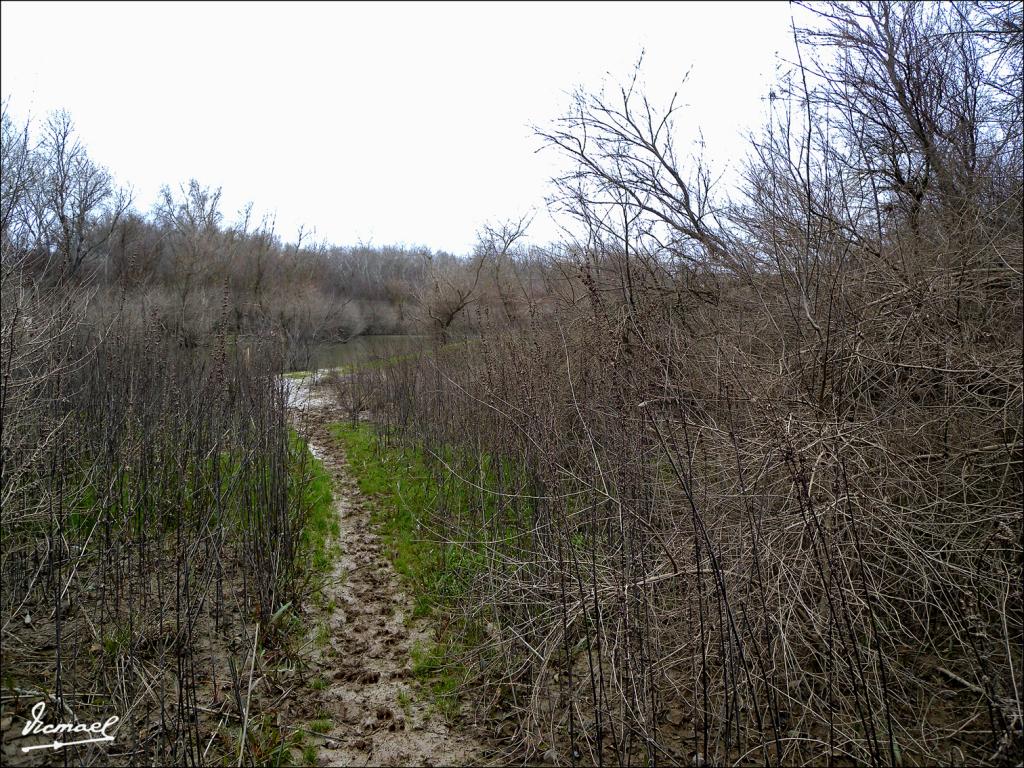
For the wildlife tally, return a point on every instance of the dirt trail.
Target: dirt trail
(377, 715)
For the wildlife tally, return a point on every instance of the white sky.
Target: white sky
(382, 123)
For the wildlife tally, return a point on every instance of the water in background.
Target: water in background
(360, 349)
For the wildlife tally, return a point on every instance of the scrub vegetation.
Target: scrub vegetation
(732, 475)
(743, 482)
(159, 530)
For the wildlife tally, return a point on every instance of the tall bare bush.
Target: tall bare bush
(752, 491)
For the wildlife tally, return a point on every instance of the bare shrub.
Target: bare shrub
(750, 492)
(152, 514)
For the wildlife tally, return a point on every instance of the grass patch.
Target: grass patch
(434, 666)
(318, 684)
(116, 642)
(268, 746)
(405, 702)
(321, 726)
(402, 490)
(312, 484)
(323, 636)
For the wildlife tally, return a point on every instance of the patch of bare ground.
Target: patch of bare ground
(367, 703)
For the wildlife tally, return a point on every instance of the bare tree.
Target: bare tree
(76, 203)
(626, 181)
(16, 174)
(499, 242)
(192, 222)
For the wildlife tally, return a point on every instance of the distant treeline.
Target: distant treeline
(183, 265)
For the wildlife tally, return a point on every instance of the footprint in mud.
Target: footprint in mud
(374, 719)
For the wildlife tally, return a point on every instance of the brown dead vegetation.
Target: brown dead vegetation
(748, 476)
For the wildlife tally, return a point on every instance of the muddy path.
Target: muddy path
(377, 714)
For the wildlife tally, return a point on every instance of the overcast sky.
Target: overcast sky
(376, 122)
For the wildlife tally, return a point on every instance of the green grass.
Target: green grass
(402, 491)
(318, 684)
(117, 641)
(219, 487)
(268, 746)
(321, 726)
(323, 636)
(434, 666)
(311, 484)
(405, 702)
